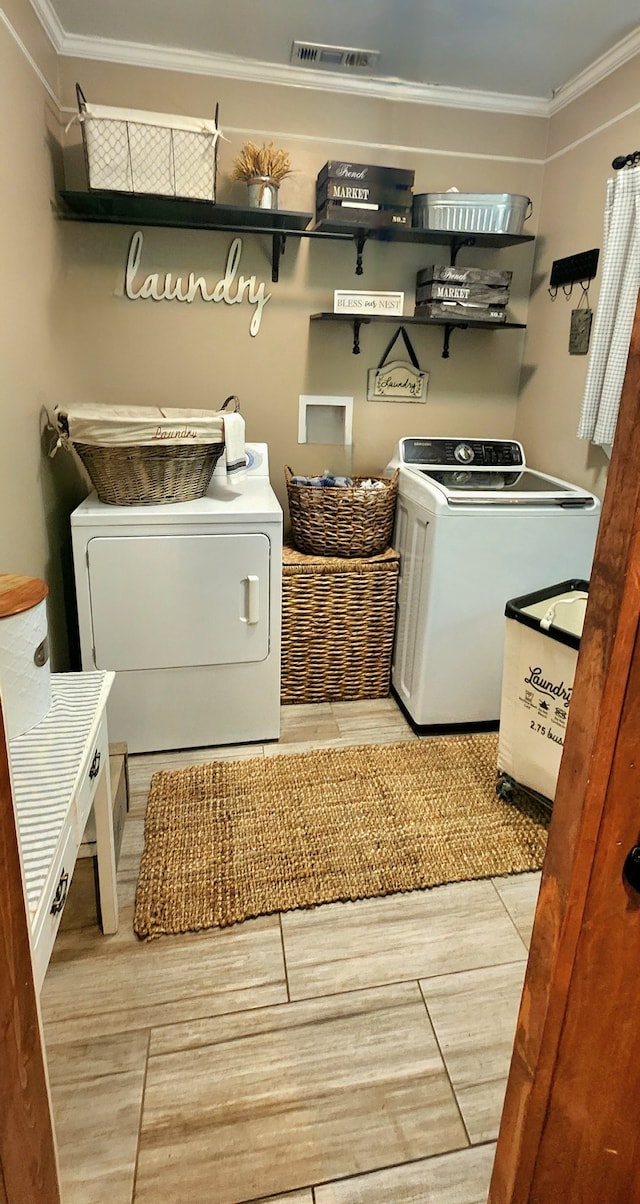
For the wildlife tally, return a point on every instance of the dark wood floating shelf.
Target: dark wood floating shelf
(454, 239)
(422, 234)
(358, 320)
(131, 209)
(127, 208)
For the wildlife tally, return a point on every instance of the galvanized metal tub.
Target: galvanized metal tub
(471, 212)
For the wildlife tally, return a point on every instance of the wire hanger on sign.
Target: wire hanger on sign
(584, 296)
(407, 342)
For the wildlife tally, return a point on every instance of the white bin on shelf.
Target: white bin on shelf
(132, 150)
(542, 639)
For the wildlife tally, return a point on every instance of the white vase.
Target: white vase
(263, 192)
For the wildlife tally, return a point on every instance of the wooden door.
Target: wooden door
(28, 1169)
(570, 1131)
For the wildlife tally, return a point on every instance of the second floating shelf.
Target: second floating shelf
(358, 320)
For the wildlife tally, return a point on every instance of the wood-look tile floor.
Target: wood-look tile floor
(355, 1053)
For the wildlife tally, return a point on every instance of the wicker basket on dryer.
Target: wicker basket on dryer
(350, 521)
(143, 455)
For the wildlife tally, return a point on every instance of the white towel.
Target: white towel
(234, 446)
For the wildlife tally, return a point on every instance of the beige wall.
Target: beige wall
(34, 495)
(147, 352)
(69, 333)
(584, 138)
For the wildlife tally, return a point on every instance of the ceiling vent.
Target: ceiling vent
(334, 58)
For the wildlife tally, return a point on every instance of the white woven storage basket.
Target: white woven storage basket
(131, 150)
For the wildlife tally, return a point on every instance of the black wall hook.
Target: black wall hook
(573, 269)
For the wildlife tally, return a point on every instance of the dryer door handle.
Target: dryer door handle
(253, 599)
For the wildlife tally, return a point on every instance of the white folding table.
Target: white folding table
(59, 770)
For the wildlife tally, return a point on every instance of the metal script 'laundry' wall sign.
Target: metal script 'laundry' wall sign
(232, 289)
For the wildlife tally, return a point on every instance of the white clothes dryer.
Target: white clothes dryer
(475, 527)
(183, 601)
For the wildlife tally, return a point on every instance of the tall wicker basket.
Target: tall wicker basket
(348, 521)
(338, 622)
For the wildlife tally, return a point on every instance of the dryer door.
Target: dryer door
(168, 601)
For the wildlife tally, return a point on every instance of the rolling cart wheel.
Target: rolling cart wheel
(504, 789)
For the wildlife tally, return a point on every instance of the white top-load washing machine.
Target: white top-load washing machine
(183, 601)
(475, 527)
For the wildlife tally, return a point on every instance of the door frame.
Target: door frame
(586, 935)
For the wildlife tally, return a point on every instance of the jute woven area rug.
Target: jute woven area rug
(235, 839)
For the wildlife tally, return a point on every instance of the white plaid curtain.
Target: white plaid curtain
(616, 309)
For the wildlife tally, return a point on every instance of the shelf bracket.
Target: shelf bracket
(456, 245)
(447, 336)
(357, 323)
(360, 241)
(278, 244)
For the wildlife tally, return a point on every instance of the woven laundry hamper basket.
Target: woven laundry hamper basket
(145, 455)
(338, 622)
(350, 521)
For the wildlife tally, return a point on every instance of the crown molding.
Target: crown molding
(616, 57)
(139, 54)
(50, 23)
(250, 71)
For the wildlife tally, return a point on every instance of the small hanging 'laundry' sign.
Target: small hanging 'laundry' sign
(398, 380)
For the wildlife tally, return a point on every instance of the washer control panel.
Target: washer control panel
(472, 453)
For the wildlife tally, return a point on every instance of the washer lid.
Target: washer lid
(477, 487)
(482, 472)
(20, 593)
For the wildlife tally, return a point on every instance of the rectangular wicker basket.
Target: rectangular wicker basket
(342, 521)
(338, 623)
